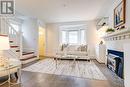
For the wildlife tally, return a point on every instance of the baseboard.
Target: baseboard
(92, 57)
(100, 62)
(48, 56)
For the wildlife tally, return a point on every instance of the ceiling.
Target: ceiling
(63, 10)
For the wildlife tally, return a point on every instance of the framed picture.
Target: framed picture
(119, 14)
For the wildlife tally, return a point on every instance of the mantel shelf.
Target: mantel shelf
(117, 33)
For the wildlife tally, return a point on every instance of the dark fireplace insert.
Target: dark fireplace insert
(115, 62)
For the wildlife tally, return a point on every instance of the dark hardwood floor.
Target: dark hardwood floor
(31, 79)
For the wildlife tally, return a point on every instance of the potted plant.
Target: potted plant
(110, 30)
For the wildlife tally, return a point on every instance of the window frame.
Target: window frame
(70, 30)
(16, 21)
(69, 35)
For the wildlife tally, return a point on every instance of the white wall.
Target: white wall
(126, 65)
(30, 34)
(52, 40)
(52, 34)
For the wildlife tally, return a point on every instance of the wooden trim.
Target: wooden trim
(17, 50)
(11, 41)
(3, 35)
(49, 56)
(14, 46)
(27, 53)
(98, 61)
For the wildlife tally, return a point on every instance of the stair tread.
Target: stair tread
(4, 35)
(29, 61)
(17, 50)
(28, 58)
(11, 41)
(14, 46)
(26, 53)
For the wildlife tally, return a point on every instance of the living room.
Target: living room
(86, 43)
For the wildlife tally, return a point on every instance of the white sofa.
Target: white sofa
(74, 50)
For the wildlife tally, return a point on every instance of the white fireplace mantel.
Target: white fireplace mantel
(118, 35)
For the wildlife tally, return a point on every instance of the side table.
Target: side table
(13, 67)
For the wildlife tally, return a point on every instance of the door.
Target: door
(41, 42)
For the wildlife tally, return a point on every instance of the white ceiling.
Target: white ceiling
(63, 10)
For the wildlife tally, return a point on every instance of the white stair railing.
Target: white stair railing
(14, 36)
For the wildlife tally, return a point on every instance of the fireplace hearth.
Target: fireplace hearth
(115, 62)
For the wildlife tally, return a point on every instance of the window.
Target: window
(82, 38)
(15, 26)
(75, 36)
(64, 37)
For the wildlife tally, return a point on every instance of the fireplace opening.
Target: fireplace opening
(115, 62)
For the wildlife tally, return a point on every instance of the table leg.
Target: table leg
(56, 62)
(19, 76)
(74, 60)
(9, 77)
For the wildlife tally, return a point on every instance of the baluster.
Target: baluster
(8, 29)
(1, 25)
(5, 27)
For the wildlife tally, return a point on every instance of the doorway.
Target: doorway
(41, 42)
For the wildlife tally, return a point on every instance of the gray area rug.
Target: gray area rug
(82, 69)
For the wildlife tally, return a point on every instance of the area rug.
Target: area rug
(82, 69)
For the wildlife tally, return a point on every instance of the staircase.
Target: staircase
(28, 57)
(15, 39)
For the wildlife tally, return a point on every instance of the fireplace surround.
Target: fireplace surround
(115, 62)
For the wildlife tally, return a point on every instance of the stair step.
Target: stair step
(3, 35)
(17, 50)
(29, 61)
(26, 53)
(28, 58)
(14, 46)
(11, 41)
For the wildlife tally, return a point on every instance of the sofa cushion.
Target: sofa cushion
(82, 48)
(63, 47)
(72, 48)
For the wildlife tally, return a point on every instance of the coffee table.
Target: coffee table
(60, 57)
